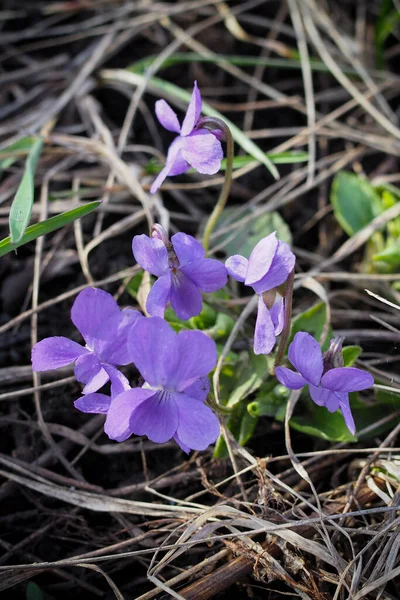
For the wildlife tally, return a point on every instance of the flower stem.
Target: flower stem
(287, 319)
(215, 123)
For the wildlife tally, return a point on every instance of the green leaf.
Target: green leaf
(388, 18)
(162, 87)
(270, 399)
(319, 422)
(355, 202)
(252, 371)
(312, 321)
(247, 428)
(20, 147)
(390, 256)
(350, 355)
(21, 208)
(47, 226)
(245, 238)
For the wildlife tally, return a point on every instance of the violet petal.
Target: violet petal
(277, 312)
(198, 425)
(197, 357)
(111, 345)
(93, 403)
(187, 248)
(347, 379)
(181, 445)
(117, 425)
(199, 389)
(282, 265)
(55, 352)
(264, 334)
(167, 117)
(151, 254)
(158, 297)
(119, 383)
(324, 397)
(193, 111)
(175, 164)
(185, 297)
(156, 417)
(289, 378)
(346, 411)
(208, 274)
(154, 350)
(261, 259)
(91, 309)
(306, 356)
(203, 151)
(237, 267)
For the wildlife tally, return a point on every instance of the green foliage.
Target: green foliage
(312, 321)
(355, 202)
(47, 226)
(389, 17)
(317, 421)
(243, 239)
(9, 155)
(34, 592)
(350, 355)
(21, 208)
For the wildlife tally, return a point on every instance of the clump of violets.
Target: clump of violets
(197, 148)
(329, 382)
(171, 402)
(183, 272)
(268, 267)
(104, 327)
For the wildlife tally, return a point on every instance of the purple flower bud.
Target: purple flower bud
(329, 382)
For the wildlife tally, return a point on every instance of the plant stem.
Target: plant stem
(215, 123)
(287, 319)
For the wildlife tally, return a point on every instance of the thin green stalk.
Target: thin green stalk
(287, 319)
(215, 123)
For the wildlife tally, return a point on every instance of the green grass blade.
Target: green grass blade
(162, 87)
(21, 208)
(47, 226)
(13, 152)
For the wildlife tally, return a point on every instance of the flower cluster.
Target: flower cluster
(170, 402)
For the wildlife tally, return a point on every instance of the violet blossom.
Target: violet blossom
(329, 382)
(197, 148)
(268, 267)
(104, 328)
(171, 402)
(182, 270)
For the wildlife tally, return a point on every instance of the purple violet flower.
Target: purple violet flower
(182, 270)
(328, 380)
(104, 327)
(268, 267)
(170, 404)
(197, 148)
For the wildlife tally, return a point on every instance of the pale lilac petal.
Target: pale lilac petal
(282, 265)
(185, 298)
(154, 350)
(93, 403)
(197, 357)
(261, 259)
(151, 254)
(187, 248)
(218, 134)
(91, 309)
(158, 296)
(167, 117)
(277, 312)
(203, 151)
(111, 345)
(289, 378)
(117, 425)
(88, 370)
(55, 352)
(306, 356)
(174, 165)
(208, 274)
(324, 397)
(119, 383)
(237, 267)
(157, 417)
(198, 425)
(198, 389)
(264, 334)
(181, 445)
(193, 112)
(346, 411)
(347, 379)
